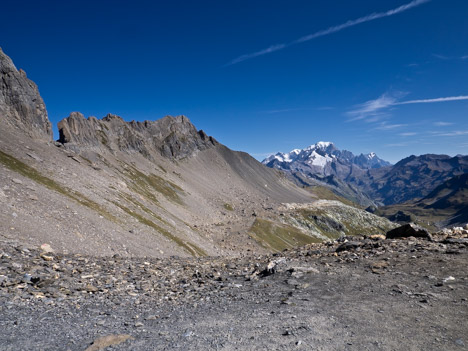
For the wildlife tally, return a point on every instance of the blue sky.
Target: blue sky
(388, 76)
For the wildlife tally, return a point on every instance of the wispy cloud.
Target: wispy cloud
(441, 57)
(408, 134)
(368, 110)
(386, 126)
(398, 145)
(454, 133)
(330, 30)
(446, 58)
(442, 124)
(373, 108)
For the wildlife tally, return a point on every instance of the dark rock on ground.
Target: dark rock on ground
(349, 246)
(408, 230)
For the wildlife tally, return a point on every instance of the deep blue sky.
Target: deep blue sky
(147, 59)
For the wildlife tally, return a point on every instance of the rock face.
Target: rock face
(172, 137)
(21, 106)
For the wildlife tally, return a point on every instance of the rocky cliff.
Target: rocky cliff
(21, 106)
(172, 137)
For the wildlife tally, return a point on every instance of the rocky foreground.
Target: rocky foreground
(359, 293)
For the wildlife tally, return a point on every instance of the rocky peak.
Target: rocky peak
(172, 137)
(21, 106)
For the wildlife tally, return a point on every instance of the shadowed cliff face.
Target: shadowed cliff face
(172, 137)
(21, 106)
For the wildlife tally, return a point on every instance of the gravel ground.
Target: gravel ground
(364, 294)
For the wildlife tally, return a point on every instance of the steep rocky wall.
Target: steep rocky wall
(21, 106)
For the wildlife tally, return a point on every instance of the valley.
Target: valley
(153, 235)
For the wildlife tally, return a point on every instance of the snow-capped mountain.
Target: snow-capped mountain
(323, 164)
(323, 158)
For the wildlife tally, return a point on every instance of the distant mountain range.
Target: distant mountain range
(323, 164)
(324, 158)
(371, 181)
(446, 205)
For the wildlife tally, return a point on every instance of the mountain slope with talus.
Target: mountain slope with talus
(153, 188)
(108, 186)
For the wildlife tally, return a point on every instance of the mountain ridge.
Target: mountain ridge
(323, 164)
(319, 155)
(173, 137)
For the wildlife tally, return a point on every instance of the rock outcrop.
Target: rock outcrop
(172, 137)
(21, 106)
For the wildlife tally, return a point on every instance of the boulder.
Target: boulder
(407, 230)
(349, 246)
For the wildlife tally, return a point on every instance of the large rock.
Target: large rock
(407, 230)
(21, 106)
(172, 137)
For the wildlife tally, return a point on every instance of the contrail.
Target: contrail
(425, 101)
(328, 31)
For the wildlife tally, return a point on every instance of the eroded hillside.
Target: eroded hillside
(153, 188)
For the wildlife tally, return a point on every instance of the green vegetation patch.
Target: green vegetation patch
(29, 172)
(142, 207)
(145, 185)
(103, 137)
(228, 207)
(278, 237)
(189, 247)
(338, 220)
